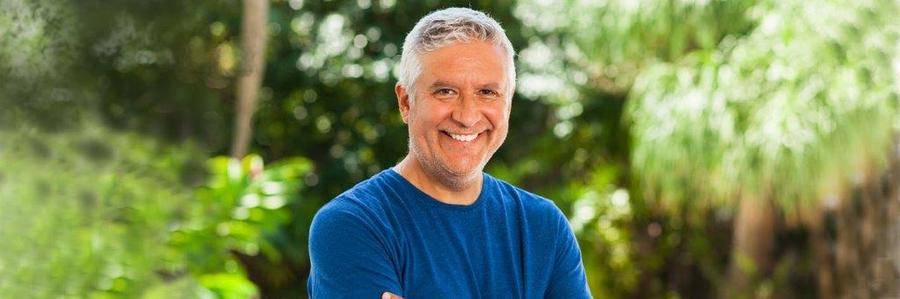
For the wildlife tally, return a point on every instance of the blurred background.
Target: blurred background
(701, 149)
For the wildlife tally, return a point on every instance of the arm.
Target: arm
(349, 257)
(568, 279)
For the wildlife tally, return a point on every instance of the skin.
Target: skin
(389, 295)
(463, 89)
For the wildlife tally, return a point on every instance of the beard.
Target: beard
(435, 168)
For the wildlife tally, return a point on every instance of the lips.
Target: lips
(464, 138)
(461, 137)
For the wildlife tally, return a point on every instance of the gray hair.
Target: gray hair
(443, 27)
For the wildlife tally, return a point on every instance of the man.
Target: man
(436, 225)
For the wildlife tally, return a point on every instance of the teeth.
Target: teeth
(464, 138)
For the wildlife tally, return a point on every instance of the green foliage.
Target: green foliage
(799, 104)
(229, 286)
(241, 203)
(37, 56)
(236, 213)
(792, 100)
(88, 212)
(97, 213)
(605, 44)
(603, 213)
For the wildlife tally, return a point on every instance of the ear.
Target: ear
(402, 101)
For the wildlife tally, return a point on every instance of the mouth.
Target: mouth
(462, 137)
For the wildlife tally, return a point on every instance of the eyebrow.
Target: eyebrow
(494, 86)
(440, 83)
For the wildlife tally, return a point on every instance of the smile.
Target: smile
(462, 137)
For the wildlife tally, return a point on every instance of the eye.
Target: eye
(444, 92)
(488, 92)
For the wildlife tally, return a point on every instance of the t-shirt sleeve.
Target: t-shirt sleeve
(349, 257)
(568, 279)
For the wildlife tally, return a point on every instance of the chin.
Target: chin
(459, 182)
(465, 172)
(463, 168)
(457, 176)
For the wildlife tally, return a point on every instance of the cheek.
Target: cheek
(498, 116)
(427, 118)
(439, 115)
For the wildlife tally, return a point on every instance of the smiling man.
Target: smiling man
(435, 225)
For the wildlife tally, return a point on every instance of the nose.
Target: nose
(466, 112)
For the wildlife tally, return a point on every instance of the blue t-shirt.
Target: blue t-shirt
(384, 234)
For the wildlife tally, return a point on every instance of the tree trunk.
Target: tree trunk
(868, 236)
(754, 230)
(822, 255)
(253, 44)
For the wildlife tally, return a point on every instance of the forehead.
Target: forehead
(471, 62)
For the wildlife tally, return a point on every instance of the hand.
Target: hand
(389, 295)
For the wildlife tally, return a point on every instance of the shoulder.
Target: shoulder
(363, 206)
(352, 246)
(541, 221)
(535, 207)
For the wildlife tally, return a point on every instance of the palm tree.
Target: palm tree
(761, 106)
(782, 118)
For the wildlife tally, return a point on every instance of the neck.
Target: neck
(436, 187)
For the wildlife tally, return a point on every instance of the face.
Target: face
(459, 114)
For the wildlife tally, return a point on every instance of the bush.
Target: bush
(96, 213)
